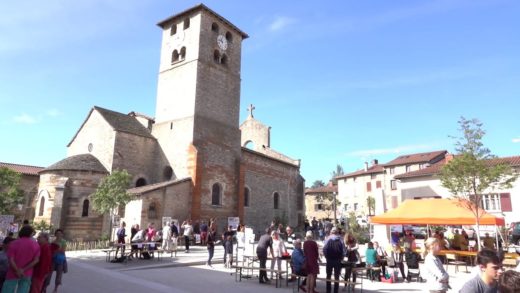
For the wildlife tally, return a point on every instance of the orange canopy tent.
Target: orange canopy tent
(434, 211)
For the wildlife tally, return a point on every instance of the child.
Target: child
(228, 250)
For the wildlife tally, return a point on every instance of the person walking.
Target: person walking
(437, 279)
(59, 261)
(121, 235)
(264, 243)
(166, 237)
(210, 244)
(312, 256)
(188, 231)
(334, 252)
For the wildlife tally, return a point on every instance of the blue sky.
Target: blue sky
(340, 83)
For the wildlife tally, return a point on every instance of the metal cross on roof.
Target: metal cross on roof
(250, 109)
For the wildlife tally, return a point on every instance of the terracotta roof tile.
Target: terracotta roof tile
(322, 189)
(371, 170)
(436, 168)
(416, 158)
(23, 169)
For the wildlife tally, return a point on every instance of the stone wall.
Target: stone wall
(139, 156)
(65, 193)
(172, 201)
(263, 177)
(99, 133)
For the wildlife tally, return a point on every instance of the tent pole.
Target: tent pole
(428, 230)
(496, 236)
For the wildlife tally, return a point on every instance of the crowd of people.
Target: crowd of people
(27, 263)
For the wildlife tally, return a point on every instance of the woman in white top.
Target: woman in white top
(436, 277)
(278, 251)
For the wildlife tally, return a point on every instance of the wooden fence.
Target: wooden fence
(87, 245)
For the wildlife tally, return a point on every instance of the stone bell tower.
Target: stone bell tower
(198, 100)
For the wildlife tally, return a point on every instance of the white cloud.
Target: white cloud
(396, 150)
(53, 112)
(516, 140)
(280, 23)
(25, 119)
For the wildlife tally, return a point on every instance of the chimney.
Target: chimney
(375, 162)
(366, 166)
(448, 157)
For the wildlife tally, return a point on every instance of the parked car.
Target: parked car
(514, 233)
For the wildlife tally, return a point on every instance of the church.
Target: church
(193, 160)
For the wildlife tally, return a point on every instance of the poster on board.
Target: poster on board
(396, 228)
(166, 221)
(5, 223)
(233, 222)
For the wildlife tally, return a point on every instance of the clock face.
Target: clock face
(222, 42)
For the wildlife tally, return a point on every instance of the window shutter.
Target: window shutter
(505, 202)
(378, 184)
(369, 187)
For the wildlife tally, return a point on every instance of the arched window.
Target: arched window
(86, 204)
(183, 53)
(175, 56)
(173, 30)
(167, 173)
(216, 194)
(250, 145)
(276, 200)
(140, 182)
(152, 211)
(246, 197)
(216, 56)
(224, 59)
(42, 206)
(214, 27)
(186, 23)
(229, 37)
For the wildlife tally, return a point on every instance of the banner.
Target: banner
(233, 222)
(6, 222)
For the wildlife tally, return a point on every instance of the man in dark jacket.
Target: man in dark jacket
(265, 242)
(334, 251)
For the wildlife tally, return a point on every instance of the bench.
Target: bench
(348, 284)
(108, 253)
(239, 269)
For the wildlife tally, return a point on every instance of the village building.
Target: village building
(319, 202)
(376, 183)
(193, 160)
(426, 183)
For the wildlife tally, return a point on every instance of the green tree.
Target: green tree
(472, 173)
(112, 193)
(318, 183)
(10, 193)
(337, 172)
(371, 204)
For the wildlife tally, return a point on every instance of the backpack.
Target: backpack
(334, 249)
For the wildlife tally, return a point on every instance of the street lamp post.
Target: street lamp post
(334, 206)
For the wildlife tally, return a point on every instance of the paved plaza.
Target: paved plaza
(89, 272)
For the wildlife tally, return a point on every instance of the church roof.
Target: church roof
(150, 187)
(124, 123)
(119, 122)
(83, 162)
(23, 169)
(201, 6)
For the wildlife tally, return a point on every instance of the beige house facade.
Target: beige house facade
(379, 183)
